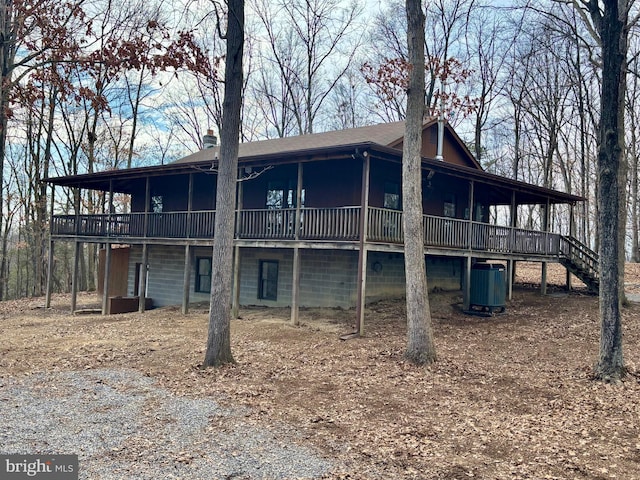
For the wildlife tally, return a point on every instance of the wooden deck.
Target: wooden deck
(341, 224)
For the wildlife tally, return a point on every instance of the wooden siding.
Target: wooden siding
(334, 183)
(452, 152)
(118, 281)
(327, 184)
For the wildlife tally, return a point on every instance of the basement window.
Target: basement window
(268, 281)
(203, 275)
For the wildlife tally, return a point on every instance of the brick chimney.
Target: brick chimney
(209, 140)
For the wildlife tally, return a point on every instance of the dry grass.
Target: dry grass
(510, 396)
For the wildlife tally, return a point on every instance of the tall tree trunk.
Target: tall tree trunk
(420, 346)
(633, 154)
(610, 364)
(219, 339)
(7, 58)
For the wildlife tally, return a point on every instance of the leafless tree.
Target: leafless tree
(610, 23)
(420, 345)
(311, 45)
(219, 338)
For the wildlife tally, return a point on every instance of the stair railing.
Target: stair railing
(581, 256)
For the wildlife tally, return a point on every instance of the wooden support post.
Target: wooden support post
(111, 210)
(74, 275)
(295, 287)
(147, 205)
(466, 296)
(47, 300)
(235, 306)
(362, 254)
(142, 290)
(510, 266)
(470, 232)
(189, 205)
(572, 234)
(185, 279)
(545, 228)
(107, 274)
(295, 280)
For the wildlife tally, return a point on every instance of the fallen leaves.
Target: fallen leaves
(510, 396)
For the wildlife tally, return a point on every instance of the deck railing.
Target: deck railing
(269, 223)
(385, 225)
(331, 224)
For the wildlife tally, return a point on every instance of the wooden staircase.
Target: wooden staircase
(580, 260)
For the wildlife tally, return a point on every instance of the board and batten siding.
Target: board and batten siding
(327, 277)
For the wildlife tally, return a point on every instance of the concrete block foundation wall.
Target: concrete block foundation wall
(328, 278)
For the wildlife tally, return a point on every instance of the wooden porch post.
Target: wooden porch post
(235, 307)
(74, 275)
(511, 264)
(105, 284)
(466, 295)
(185, 279)
(186, 274)
(545, 228)
(295, 281)
(235, 304)
(110, 196)
(189, 205)
(142, 290)
(147, 202)
(362, 253)
(76, 252)
(47, 300)
(572, 234)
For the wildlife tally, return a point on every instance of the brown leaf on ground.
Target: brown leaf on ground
(510, 396)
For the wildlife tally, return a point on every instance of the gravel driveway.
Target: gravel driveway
(123, 426)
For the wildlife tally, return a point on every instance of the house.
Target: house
(318, 222)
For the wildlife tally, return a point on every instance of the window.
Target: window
(392, 195)
(268, 281)
(156, 204)
(282, 194)
(136, 281)
(450, 205)
(203, 275)
(479, 215)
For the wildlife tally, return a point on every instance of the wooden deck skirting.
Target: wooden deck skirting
(316, 224)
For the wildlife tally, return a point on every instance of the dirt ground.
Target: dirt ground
(510, 396)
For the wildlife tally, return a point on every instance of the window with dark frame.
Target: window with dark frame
(203, 275)
(156, 204)
(282, 194)
(450, 205)
(268, 280)
(392, 195)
